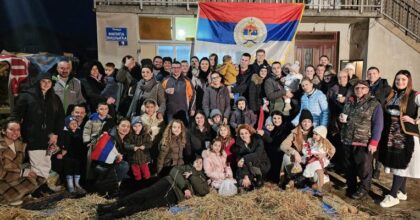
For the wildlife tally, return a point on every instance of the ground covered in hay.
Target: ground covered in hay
(266, 203)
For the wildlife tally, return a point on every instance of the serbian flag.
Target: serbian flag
(235, 28)
(105, 150)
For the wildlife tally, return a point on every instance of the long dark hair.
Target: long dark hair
(204, 74)
(404, 100)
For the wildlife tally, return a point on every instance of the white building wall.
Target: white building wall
(110, 51)
(390, 54)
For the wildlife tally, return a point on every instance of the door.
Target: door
(309, 46)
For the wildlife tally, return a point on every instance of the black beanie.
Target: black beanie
(305, 114)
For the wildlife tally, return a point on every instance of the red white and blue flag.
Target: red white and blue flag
(105, 150)
(235, 28)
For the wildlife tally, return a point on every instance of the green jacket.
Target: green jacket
(196, 182)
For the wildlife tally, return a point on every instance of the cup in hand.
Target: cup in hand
(343, 118)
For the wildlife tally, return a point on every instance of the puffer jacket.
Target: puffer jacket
(215, 167)
(170, 155)
(317, 104)
(95, 126)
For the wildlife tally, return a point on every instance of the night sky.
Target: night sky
(54, 26)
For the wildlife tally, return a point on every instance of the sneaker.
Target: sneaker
(359, 194)
(401, 196)
(16, 203)
(389, 201)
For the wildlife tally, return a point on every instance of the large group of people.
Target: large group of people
(195, 125)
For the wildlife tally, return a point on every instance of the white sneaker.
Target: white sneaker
(389, 201)
(401, 196)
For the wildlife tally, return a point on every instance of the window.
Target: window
(185, 28)
(180, 52)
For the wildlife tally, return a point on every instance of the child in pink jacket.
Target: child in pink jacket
(214, 163)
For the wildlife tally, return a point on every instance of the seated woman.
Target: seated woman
(199, 137)
(214, 160)
(110, 172)
(15, 182)
(249, 149)
(292, 146)
(183, 182)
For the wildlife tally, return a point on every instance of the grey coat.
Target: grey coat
(216, 99)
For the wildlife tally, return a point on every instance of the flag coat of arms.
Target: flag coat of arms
(105, 150)
(235, 28)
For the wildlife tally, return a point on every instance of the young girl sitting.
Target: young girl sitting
(317, 154)
(214, 162)
(139, 143)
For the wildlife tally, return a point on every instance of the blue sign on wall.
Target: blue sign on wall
(117, 34)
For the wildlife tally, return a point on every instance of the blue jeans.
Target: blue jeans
(122, 169)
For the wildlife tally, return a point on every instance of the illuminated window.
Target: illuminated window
(185, 28)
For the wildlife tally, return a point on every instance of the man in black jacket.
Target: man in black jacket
(380, 89)
(244, 76)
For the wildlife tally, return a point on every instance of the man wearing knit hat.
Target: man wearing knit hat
(363, 123)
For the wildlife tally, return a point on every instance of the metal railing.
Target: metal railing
(319, 5)
(405, 14)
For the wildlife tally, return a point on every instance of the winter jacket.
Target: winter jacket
(380, 89)
(170, 155)
(248, 118)
(92, 89)
(139, 156)
(147, 90)
(336, 107)
(70, 92)
(229, 73)
(365, 122)
(242, 82)
(94, 127)
(162, 75)
(216, 98)
(256, 92)
(294, 141)
(183, 97)
(275, 92)
(41, 116)
(255, 67)
(317, 104)
(14, 181)
(197, 141)
(72, 142)
(215, 167)
(155, 125)
(254, 154)
(196, 182)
